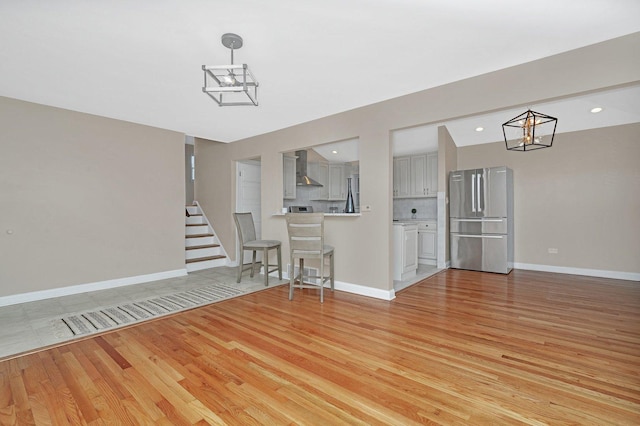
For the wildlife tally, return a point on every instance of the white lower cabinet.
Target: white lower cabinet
(405, 248)
(427, 243)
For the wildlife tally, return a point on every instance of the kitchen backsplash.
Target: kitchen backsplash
(303, 198)
(427, 208)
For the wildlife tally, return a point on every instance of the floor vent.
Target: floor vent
(307, 272)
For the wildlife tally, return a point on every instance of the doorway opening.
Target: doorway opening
(248, 198)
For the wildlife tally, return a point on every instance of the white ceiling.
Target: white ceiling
(619, 106)
(141, 60)
(340, 152)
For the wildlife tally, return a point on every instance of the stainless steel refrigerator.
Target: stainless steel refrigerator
(481, 219)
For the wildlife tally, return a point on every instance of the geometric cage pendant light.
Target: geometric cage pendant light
(230, 85)
(528, 131)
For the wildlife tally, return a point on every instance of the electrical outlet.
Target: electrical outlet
(552, 250)
(366, 208)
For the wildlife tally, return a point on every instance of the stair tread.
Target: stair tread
(196, 224)
(198, 235)
(203, 246)
(204, 259)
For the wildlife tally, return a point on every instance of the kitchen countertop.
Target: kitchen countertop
(328, 214)
(413, 220)
(413, 224)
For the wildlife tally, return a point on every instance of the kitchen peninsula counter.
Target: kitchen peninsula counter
(326, 214)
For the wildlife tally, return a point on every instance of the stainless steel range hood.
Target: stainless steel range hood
(302, 178)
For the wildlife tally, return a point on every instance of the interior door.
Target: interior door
(248, 196)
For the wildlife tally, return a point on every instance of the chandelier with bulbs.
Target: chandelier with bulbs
(528, 131)
(230, 85)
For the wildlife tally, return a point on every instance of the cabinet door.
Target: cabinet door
(432, 174)
(401, 167)
(337, 182)
(323, 178)
(427, 245)
(418, 186)
(320, 173)
(410, 258)
(289, 176)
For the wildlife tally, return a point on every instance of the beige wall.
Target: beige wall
(363, 244)
(86, 198)
(581, 196)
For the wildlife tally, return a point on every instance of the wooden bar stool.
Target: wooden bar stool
(306, 241)
(248, 241)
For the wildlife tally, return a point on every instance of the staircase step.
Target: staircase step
(198, 235)
(204, 259)
(202, 246)
(195, 220)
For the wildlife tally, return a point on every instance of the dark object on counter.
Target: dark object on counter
(349, 208)
(300, 209)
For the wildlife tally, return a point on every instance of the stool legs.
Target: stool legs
(253, 262)
(240, 266)
(265, 263)
(331, 270)
(322, 280)
(279, 262)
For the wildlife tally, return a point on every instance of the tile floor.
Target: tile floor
(27, 326)
(424, 271)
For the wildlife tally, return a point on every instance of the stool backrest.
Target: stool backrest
(306, 234)
(245, 226)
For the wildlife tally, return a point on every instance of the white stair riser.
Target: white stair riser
(194, 220)
(200, 241)
(196, 266)
(203, 252)
(195, 230)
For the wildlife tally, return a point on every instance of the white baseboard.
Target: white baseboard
(83, 288)
(352, 288)
(631, 276)
(365, 291)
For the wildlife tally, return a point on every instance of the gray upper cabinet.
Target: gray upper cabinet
(401, 177)
(415, 176)
(320, 173)
(337, 182)
(289, 178)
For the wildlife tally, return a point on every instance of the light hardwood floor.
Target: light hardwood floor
(458, 348)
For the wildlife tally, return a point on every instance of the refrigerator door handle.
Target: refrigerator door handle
(479, 192)
(473, 193)
(478, 236)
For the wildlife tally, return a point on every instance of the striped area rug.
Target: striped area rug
(115, 316)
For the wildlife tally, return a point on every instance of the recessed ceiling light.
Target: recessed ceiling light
(479, 129)
(334, 152)
(596, 110)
